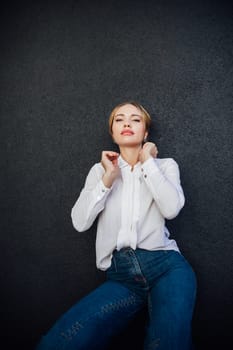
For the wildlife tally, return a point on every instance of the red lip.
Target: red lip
(127, 132)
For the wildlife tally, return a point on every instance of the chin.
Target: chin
(130, 144)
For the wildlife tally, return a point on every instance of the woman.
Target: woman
(132, 193)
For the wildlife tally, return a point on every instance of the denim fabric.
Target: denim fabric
(163, 280)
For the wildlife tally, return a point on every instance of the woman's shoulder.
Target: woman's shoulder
(95, 172)
(167, 164)
(97, 168)
(165, 161)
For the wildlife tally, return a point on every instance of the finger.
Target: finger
(148, 144)
(112, 158)
(110, 154)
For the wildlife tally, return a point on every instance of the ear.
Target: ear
(145, 136)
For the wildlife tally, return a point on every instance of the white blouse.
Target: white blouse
(132, 212)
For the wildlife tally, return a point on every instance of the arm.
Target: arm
(95, 192)
(164, 184)
(90, 202)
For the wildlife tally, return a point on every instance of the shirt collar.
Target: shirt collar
(122, 163)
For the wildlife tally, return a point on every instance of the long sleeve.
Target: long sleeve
(136, 205)
(91, 200)
(164, 185)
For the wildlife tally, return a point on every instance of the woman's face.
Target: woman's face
(128, 128)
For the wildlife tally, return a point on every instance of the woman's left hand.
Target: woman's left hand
(148, 150)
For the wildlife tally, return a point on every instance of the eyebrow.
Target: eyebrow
(131, 115)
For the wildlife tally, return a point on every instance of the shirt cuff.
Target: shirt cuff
(149, 166)
(102, 190)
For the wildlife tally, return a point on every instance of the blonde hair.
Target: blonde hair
(146, 116)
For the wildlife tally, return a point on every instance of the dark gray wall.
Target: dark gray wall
(64, 66)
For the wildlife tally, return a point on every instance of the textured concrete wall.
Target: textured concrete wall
(64, 65)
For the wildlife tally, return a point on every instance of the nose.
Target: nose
(126, 124)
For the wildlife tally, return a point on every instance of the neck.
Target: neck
(130, 154)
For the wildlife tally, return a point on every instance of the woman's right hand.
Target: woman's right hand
(109, 160)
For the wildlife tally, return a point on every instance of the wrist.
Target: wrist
(107, 180)
(146, 157)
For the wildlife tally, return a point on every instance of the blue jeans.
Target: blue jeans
(162, 280)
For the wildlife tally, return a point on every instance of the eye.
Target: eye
(118, 120)
(136, 120)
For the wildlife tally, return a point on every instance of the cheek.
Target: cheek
(116, 128)
(114, 133)
(142, 130)
(113, 129)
